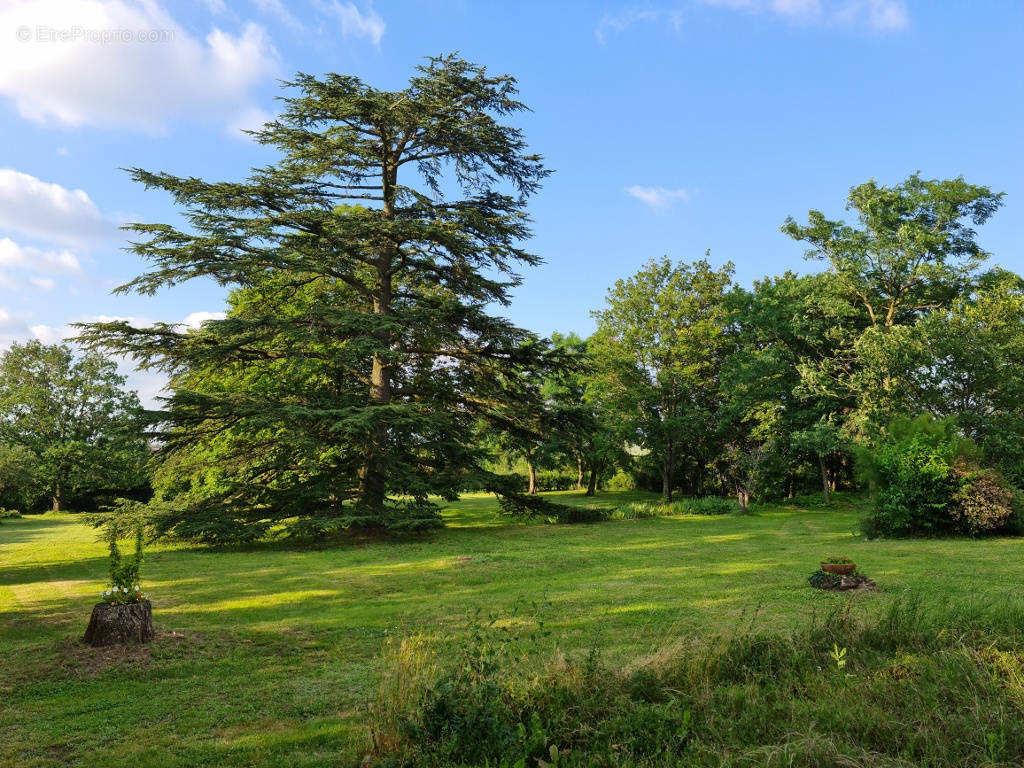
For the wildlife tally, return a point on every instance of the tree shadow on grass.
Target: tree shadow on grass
(30, 528)
(79, 568)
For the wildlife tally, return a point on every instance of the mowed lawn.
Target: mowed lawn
(268, 654)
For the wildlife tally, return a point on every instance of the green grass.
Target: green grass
(279, 647)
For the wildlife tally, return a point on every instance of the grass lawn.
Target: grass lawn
(268, 654)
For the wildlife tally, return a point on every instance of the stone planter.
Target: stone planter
(120, 624)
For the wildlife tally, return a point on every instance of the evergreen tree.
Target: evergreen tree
(348, 382)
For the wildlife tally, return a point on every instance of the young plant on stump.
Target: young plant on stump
(125, 615)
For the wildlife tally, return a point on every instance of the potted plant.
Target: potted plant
(124, 614)
(839, 565)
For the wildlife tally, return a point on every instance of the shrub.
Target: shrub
(709, 505)
(622, 481)
(927, 481)
(911, 472)
(982, 502)
(640, 510)
(824, 580)
(554, 480)
(9, 514)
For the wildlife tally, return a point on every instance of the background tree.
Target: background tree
(401, 213)
(17, 470)
(74, 416)
(914, 250)
(791, 358)
(581, 434)
(660, 343)
(967, 366)
(524, 425)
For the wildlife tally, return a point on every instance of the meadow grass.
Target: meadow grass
(270, 654)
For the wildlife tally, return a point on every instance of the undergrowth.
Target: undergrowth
(709, 505)
(915, 685)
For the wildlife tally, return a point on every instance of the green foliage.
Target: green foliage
(18, 470)
(124, 571)
(982, 502)
(556, 480)
(483, 710)
(969, 359)
(739, 699)
(582, 514)
(838, 655)
(838, 560)
(358, 360)
(706, 505)
(824, 580)
(658, 348)
(68, 426)
(621, 481)
(782, 385)
(927, 481)
(912, 253)
(911, 475)
(914, 249)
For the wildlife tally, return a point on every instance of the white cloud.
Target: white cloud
(196, 319)
(251, 119)
(49, 211)
(149, 384)
(355, 23)
(879, 15)
(216, 7)
(659, 198)
(629, 16)
(277, 9)
(25, 256)
(799, 9)
(12, 329)
(123, 63)
(49, 335)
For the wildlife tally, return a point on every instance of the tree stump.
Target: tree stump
(120, 624)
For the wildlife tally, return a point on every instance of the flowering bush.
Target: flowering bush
(124, 571)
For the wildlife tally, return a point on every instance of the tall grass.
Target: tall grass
(640, 510)
(409, 667)
(919, 684)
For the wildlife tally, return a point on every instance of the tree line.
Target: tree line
(773, 390)
(363, 372)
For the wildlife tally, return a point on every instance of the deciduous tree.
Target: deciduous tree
(660, 344)
(75, 417)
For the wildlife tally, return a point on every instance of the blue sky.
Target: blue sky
(672, 128)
